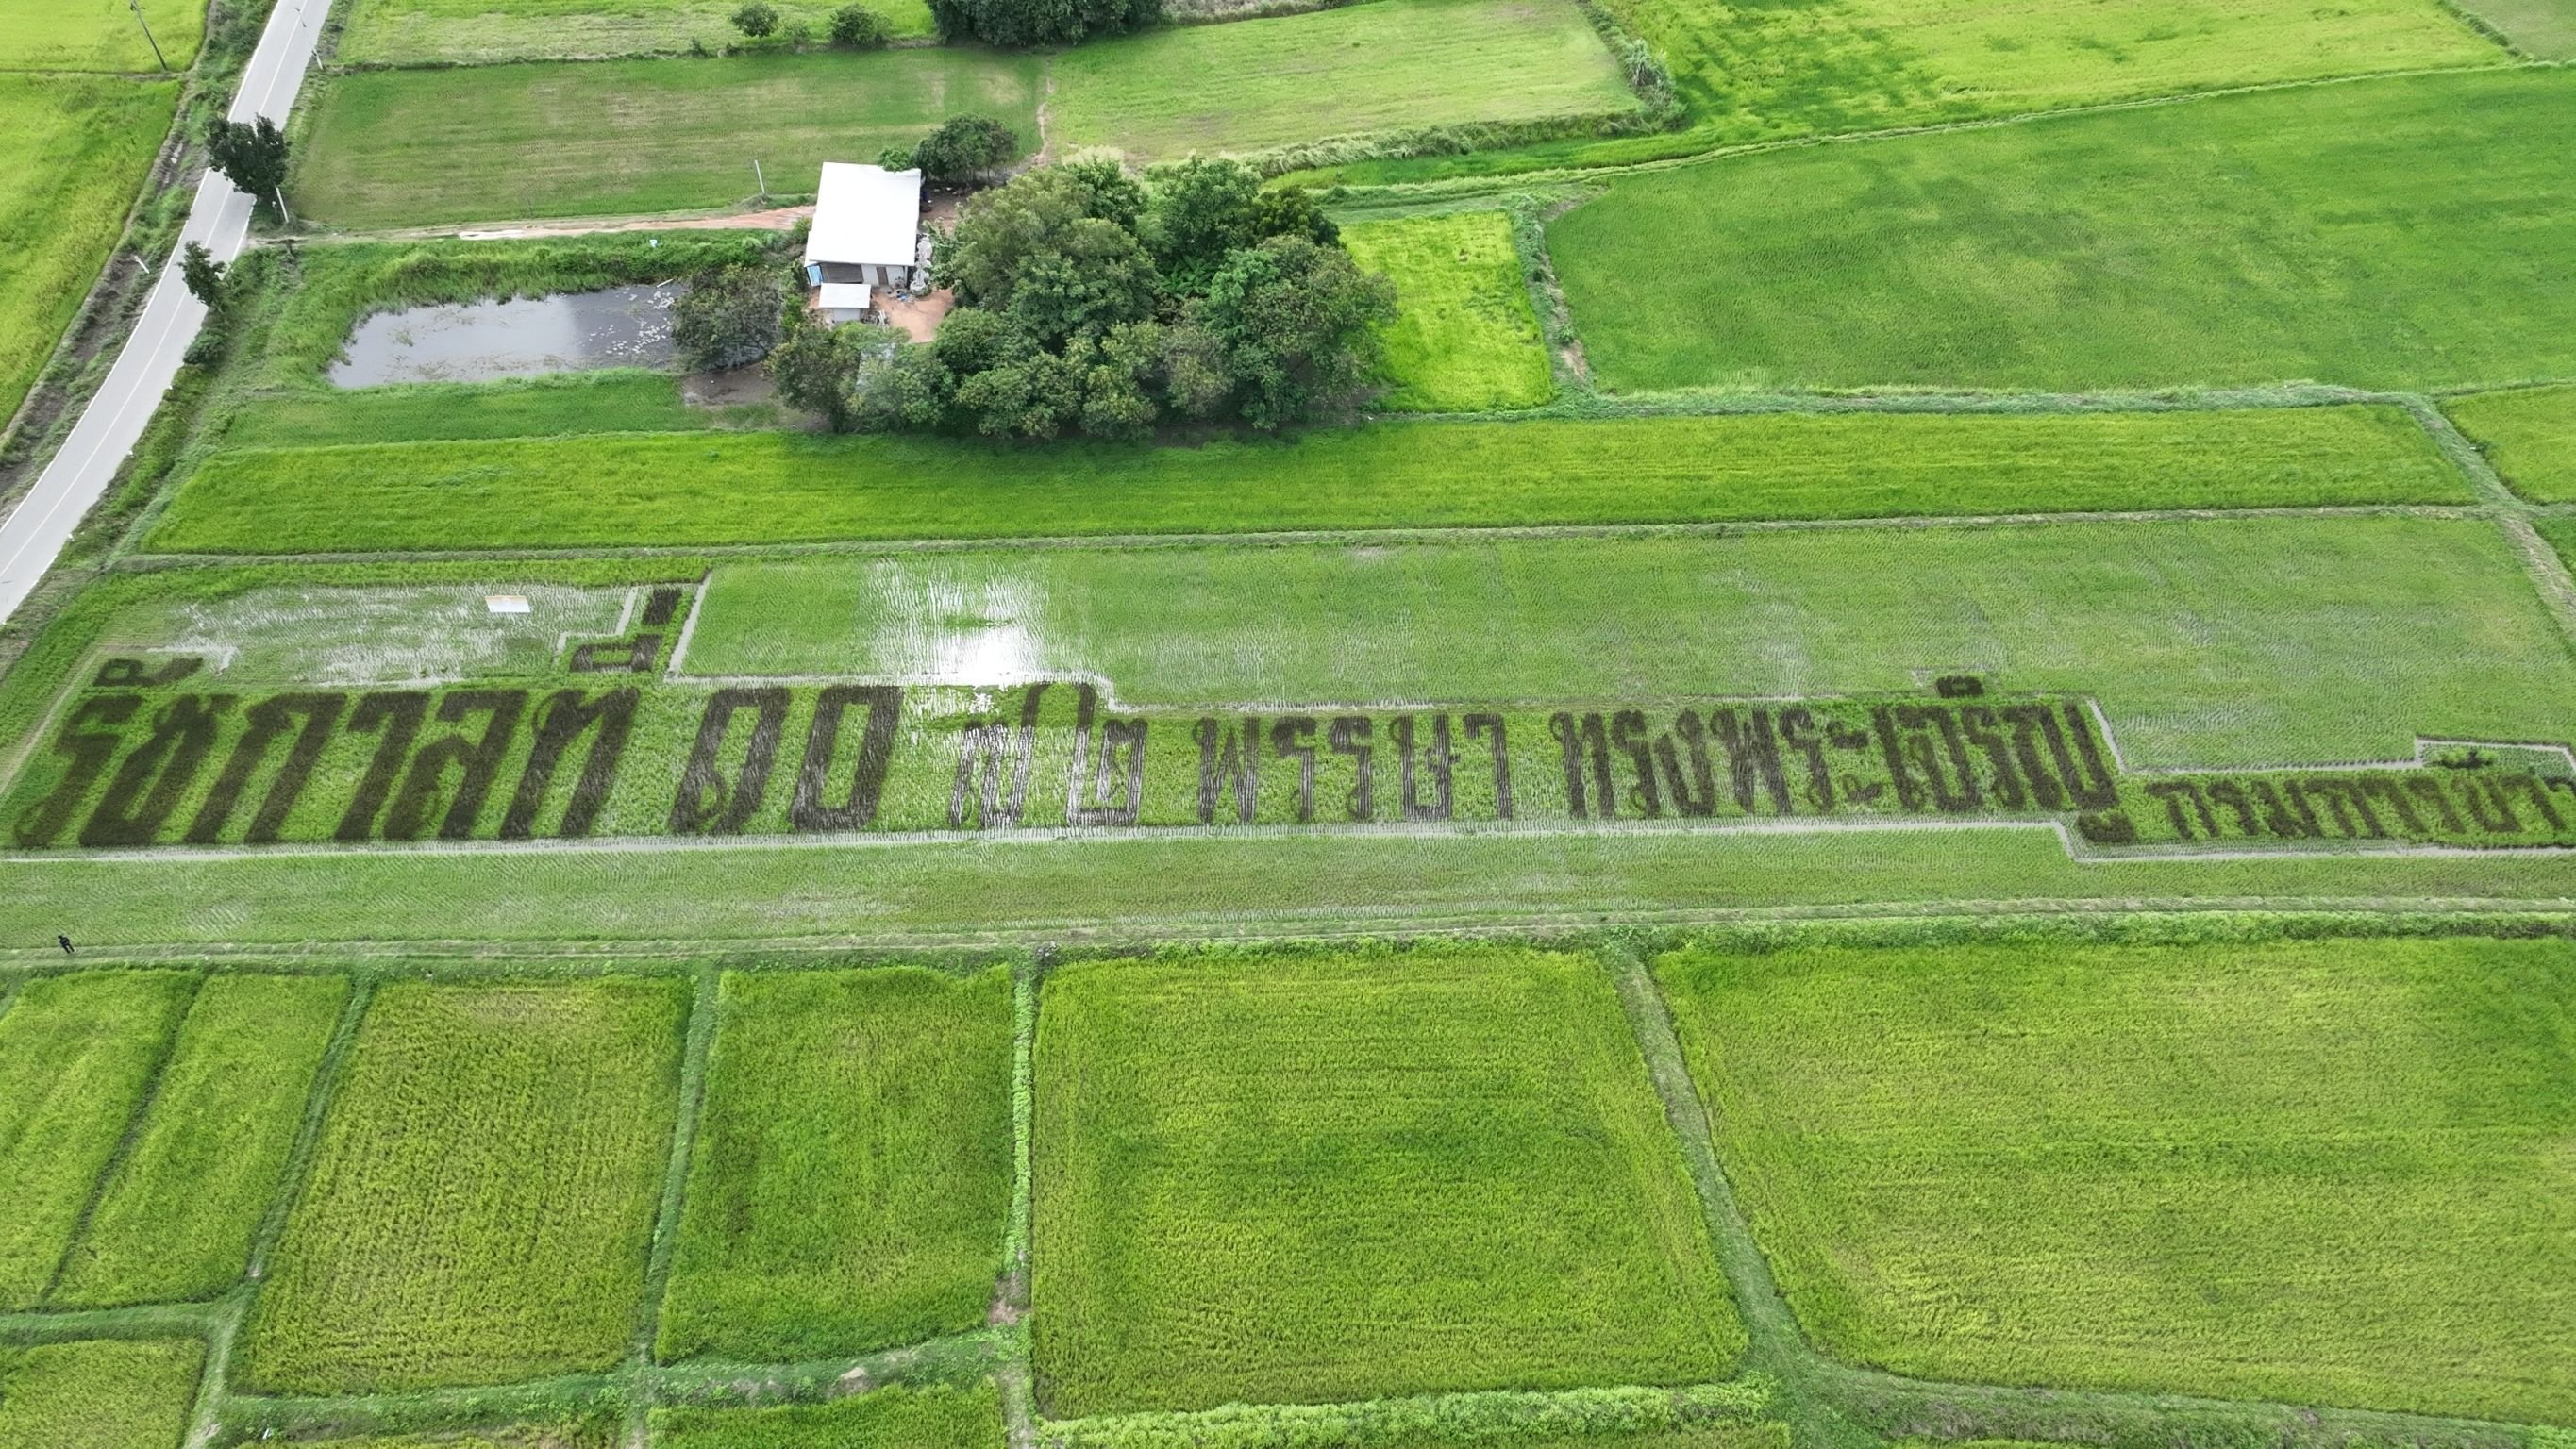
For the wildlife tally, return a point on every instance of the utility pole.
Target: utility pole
(137, 7)
(757, 176)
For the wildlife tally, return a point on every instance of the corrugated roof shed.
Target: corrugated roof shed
(865, 215)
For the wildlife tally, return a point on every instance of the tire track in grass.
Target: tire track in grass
(697, 1046)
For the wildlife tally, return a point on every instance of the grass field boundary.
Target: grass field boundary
(2512, 512)
(704, 1017)
(133, 1133)
(1017, 1378)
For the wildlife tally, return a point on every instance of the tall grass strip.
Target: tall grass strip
(938, 1417)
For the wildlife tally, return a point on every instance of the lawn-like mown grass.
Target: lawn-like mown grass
(893, 1418)
(852, 1171)
(79, 148)
(77, 1054)
(429, 32)
(2315, 1172)
(98, 35)
(98, 1394)
(1465, 338)
(2211, 643)
(616, 401)
(406, 147)
(175, 1223)
(1397, 66)
(2528, 433)
(617, 491)
(479, 1204)
(2407, 232)
(1303, 1179)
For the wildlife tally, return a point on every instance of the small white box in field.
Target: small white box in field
(508, 604)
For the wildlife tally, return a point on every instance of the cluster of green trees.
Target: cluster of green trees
(1091, 304)
(1040, 22)
(963, 148)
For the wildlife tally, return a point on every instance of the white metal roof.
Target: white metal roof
(865, 216)
(843, 297)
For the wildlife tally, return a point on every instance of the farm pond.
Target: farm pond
(518, 337)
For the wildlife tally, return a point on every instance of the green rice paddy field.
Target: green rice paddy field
(417, 32)
(615, 491)
(410, 147)
(81, 146)
(2331, 1172)
(98, 35)
(2385, 233)
(1466, 339)
(2530, 436)
(97, 1394)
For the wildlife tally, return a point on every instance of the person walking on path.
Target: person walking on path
(66, 943)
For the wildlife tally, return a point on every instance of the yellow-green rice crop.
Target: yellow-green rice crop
(98, 1394)
(414, 32)
(76, 1056)
(2528, 433)
(1465, 338)
(98, 35)
(2318, 1172)
(485, 1185)
(176, 1221)
(853, 1166)
(1306, 1178)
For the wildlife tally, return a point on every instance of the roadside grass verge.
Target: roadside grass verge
(2210, 643)
(1252, 86)
(2401, 232)
(415, 147)
(480, 32)
(1302, 1179)
(615, 491)
(175, 1222)
(894, 1418)
(478, 1206)
(98, 1394)
(77, 1055)
(97, 35)
(852, 1170)
(2315, 1172)
(2528, 433)
(1464, 339)
(80, 147)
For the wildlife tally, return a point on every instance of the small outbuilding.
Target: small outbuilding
(867, 228)
(841, 302)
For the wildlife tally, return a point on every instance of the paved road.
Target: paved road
(43, 521)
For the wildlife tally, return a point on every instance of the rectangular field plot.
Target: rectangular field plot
(792, 488)
(2326, 1172)
(408, 147)
(1466, 339)
(1398, 65)
(615, 401)
(2541, 29)
(2209, 643)
(853, 1166)
(415, 32)
(98, 1394)
(77, 1054)
(81, 146)
(2389, 233)
(175, 1222)
(895, 1418)
(1754, 72)
(97, 35)
(2529, 434)
(480, 1202)
(1304, 1179)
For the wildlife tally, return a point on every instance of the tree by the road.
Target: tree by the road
(252, 155)
(203, 275)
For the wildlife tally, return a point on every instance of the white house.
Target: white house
(867, 229)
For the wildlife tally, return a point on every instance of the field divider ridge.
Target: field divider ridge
(1016, 1379)
(696, 1047)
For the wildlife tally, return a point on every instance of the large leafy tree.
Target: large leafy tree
(1296, 324)
(729, 317)
(1039, 22)
(251, 154)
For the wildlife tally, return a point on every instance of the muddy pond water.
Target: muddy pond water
(523, 337)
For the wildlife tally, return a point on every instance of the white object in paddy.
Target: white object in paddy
(508, 604)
